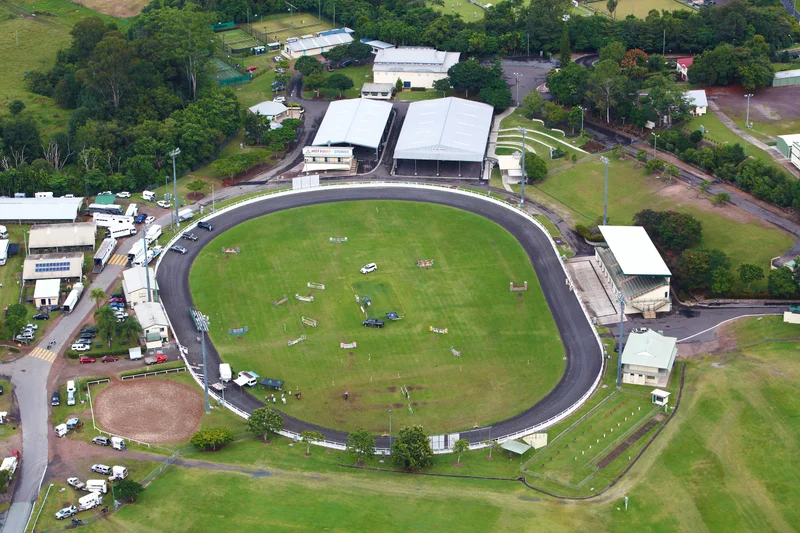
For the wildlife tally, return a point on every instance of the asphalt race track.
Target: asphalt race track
(584, 357)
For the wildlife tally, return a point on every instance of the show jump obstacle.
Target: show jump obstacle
(337, 239)
(312, 285)
(443, 331)
(280, 302)
(301, 339)
(425, 263)
(348, 344)
(309, 321)
(517, 288)
(304, 298)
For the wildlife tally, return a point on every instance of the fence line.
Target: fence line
(412, 185)
(94, 423)
(155, 373)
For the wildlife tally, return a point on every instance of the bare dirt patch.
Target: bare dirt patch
(682, 195)
(150, 410)
(772, 104)
(630, 441)
(115, 8)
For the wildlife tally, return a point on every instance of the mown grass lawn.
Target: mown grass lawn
(718, 133)
(511, 351)
(640, 8)
(725, 463)
(577, 193)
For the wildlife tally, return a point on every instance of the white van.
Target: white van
(70, 386)
(150, 196)
(96, 485)
(3, 232)
(61, 430)
(91, 500)
(225, 372)
(71, 398)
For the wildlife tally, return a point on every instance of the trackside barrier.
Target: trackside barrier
(156, 373)
(406, 185)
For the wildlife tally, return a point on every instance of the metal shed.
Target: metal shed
(786, 78)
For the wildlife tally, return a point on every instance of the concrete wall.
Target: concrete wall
(414, 79)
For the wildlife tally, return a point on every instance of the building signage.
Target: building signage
(327, 151)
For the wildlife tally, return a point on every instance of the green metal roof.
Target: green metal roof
(515, 447)
(649, 349)
(631, 286)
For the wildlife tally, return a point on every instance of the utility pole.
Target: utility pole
(390, 411)
(621, 301)
(664, 42)
(176, 152)
(522, 160)
(201, 322)
(655, 143)
(605, 161)
(582, 110)
(747, 120)
(517, 76)
(529, 44)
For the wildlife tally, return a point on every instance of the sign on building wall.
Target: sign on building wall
(327, 151)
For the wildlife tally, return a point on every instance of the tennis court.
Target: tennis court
(236, 40)
(278, 28)
(224, 70)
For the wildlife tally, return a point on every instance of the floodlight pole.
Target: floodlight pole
(522, 131)
(201, 323)
(621, 301)
(747, 120)
(146, 264)
(390, 411)
(655, 143)
(605, 161)
(582, 110)
(175, 153)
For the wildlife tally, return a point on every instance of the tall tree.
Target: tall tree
(128, 490)
(469, 76)
(565, 52)
(184, 35)
(340, 82)
(781, 283)
(106, 322)
(443, 85)
(97, 294)
(460, 446)
(605, 82)
(314, 82)
(412, 449)
(107, 71)
(265, 422)
(360, 445)
(535, 168)
(310, 437)
(307, 65)
(611, 6)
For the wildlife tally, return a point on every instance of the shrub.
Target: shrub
(419, 89)
(696, 136)
(211, 438)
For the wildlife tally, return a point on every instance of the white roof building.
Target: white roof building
(446, 129)
(134, 285)
(67, 266)
(153, 319)
(358, 122)
(697, 101)
(635, 269)
(75, 237)
(415, 66)
(312, 46)
(32, 210)
(647, 358)
(269, 109)
(47, 292)
(511, 165)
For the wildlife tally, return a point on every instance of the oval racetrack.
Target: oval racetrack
(584, 356)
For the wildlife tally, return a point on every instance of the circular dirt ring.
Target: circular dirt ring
(149, 410)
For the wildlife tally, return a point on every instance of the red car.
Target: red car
(109, 358)
(87, 359)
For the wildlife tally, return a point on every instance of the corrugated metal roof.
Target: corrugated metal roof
(414, 59)
(377, 44)
(446, 129)
(515, 447)
(62, 235)
(787, 74)
(46, 266)
(649, 349)
(150, 314)
(697, 98)
(631, 286)
(377, 87)
(635, 252)
(312, 43)
(268, 109)
(47, 288)
(14, 209)
(135, 279)
(357, 121)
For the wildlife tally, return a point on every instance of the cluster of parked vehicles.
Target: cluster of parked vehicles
(95, 487)
(27, 334)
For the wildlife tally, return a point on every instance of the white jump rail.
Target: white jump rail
(403, 185)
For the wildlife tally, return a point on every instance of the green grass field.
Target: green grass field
(577, 193)
(718, 133)
(280, 27)
(639, 8)
(359, 74)
(725, 463)
(510, 337)
(468, 12)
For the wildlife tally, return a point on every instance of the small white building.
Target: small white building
(376, 45)
(698, 103)
(134, 285)
(647, 359)
(47, 292)
(635, 270)
(313, 46)
(377, 91)
(153, 319)
(414, 66)
(273, 111)
(511, 167)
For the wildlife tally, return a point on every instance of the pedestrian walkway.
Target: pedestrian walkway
(118, 259)
(41, 353)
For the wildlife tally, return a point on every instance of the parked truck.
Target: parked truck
(155, 359)
(3, 232)
(10, 464)
(225, 373)
(90, 501)
(61, 430)
(104, 253)
(121, 232)
(153, 233)
(150, 196)
(72, 299)
(185, 214)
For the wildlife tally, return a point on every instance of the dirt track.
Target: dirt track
(151, 410)
(123, 9)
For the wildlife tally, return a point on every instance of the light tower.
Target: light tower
(201, 322)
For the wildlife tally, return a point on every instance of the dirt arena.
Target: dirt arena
(115, 8)
(151, 410)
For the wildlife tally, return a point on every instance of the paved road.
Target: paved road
(584, 359)
(789, 6)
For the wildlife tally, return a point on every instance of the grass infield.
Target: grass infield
(512, 355)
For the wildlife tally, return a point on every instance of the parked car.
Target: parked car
(279, 99)
(70, 397)
(156, 359)
(116, 305)
(41, 316)
(104, 192)
(366, 269)
(141, 217)
(101, 469)
(280, 70)
(123, 194)
(116, 300)
(345, 63)
(640, 330)
(89, 329)
(116, 295)
(66, 512)
(189, 236)
(208, 226)
(373, 323)
(80, 347)
(109, 359)
(32, 326)
(23, 340)
(164, 204)
(149, 220)
(55, 399)
(178, 248)
(101, 441)
(85, 359)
